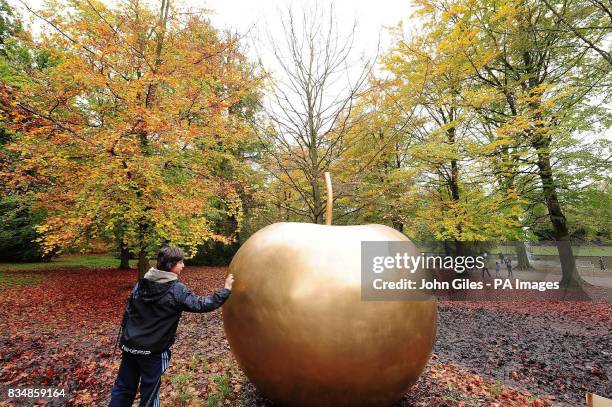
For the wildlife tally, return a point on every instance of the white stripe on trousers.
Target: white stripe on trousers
(164, 367)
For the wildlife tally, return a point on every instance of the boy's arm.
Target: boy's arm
(190, 302)
(128, 305)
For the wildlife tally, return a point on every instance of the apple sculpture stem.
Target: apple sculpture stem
(330, 199)
(301, 332)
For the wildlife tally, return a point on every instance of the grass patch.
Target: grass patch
(582, 251)
(70, 261)
(9, 280)
(181, 383)
(223, 387)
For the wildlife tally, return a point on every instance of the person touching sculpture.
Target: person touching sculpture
(149, 325)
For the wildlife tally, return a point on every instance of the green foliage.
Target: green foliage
(181, 382)
(478, 130)
(17, 216)
(212, 400)
(17, 234)
(222, 383)
(9, 24)
(221, 392)
(214, 253)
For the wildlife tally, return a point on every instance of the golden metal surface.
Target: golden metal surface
(330, 199)
(297, 326)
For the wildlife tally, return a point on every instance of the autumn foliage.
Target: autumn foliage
(135, 127)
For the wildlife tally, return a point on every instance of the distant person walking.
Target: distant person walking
(602, 263)
(509, 266)
(497, 268)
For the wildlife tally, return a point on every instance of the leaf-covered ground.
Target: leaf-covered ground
(58, 327)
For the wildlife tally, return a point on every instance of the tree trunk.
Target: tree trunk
(124, 256)
(398, 225)
(521, 254)
(507, 183)
(317, 213)
(453, 185)
(143, 263)
(570, 278)
(317, 200)
(459, 250)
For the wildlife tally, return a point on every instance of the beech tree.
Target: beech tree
(535, 78)
(436, 158)
(135, 127)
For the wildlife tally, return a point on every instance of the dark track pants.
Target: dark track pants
(146, 369)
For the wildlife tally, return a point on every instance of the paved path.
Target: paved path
(600, 279)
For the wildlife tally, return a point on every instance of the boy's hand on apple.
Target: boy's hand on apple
(229, 281)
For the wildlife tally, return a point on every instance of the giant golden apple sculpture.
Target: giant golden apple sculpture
(297, 325)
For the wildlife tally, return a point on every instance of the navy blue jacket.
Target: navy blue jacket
(153, 312)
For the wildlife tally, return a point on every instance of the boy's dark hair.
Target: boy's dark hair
(168, 257)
